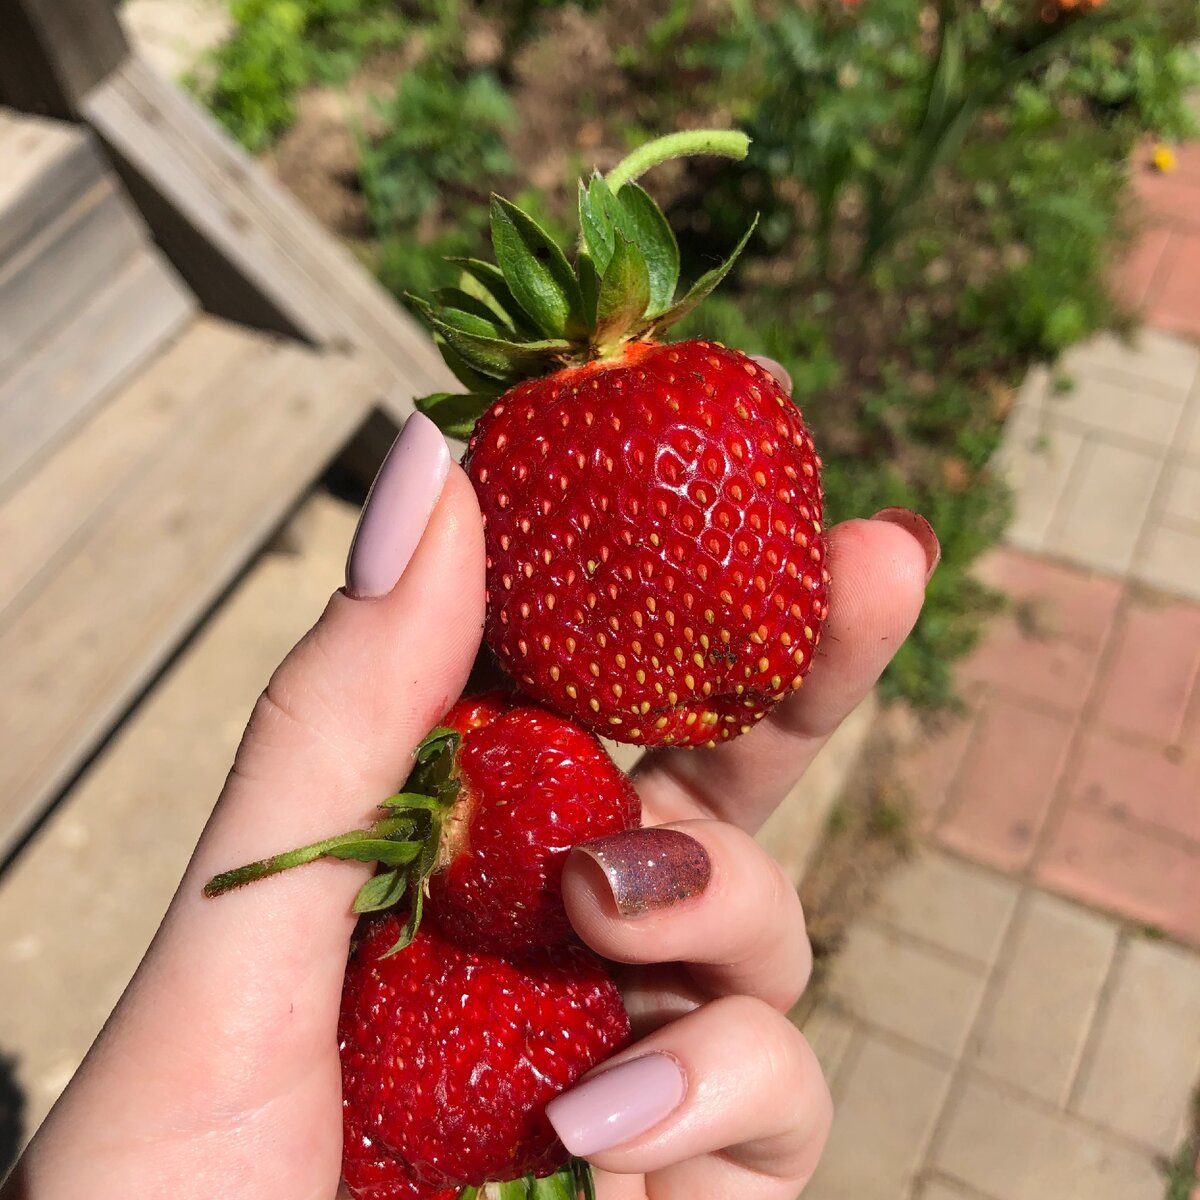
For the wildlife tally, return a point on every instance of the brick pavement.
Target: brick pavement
(1018, 1016)
(1161, 275)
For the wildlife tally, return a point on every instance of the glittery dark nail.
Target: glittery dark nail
(650, 868)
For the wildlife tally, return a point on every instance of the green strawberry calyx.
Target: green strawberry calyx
(571, 1182)
(406, 841)
(533, 312)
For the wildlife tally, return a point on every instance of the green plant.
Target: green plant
(440, 138)
(280, 46)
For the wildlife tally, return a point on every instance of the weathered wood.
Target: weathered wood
(149, 564)
(61, 267)
(44, 167)
(247, 248)
(54, 51)
(52, 508)
(88, 357)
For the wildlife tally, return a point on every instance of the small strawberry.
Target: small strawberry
(450, 1056)
(653, 512)
(500, 793)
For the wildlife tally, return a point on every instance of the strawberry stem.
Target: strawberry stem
(361, 845)
(729, 143)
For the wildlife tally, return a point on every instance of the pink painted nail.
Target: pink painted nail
(618, 1104)
(648, 869)
(777, 369)
(398, 508)
(920, 529)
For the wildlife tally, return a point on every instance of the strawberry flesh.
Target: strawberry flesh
(449, 1058)
(655, 555)
(532, 784)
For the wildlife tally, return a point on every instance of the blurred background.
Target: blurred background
(979, 258)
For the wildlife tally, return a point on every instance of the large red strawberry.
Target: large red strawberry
(449, 1057)
(500, 793)
(653, 512)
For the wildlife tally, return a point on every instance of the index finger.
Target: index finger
(878, 569)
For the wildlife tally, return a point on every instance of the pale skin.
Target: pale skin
(218, 1074)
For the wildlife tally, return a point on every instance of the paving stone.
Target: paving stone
(927, 769)
(939, 1190)
(1135, 273)
(1047, 645)
(1182, 497)
(1024, 656)
(1069, 600)
(890, 982)
(1175, 304)
(1145, 1062)
(1016, 1149)
(1151, 354)
(1135, 779)
(830, 1033)
(1105, 508)
(1187, 437)
(885, 1114)
(1125, 407)
(1002, 797)
(1037, 459)
(1153, 671)
(1036, 1030)
(1167, 199)
(1169, 559)
(1109, 863)
(958, 907)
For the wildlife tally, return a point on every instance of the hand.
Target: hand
(218, 1073)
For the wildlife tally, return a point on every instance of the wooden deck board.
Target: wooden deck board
(90, 355)
(302, 273)
(128, 586)
(63, 266)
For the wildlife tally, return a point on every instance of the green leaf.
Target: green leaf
(381, 891)
(537, 271)
(380, 850)
(496, 357)
(595, 223)
(514, 1189)
(471, 379)
(589, 286)
(466, 321)
(559, 1186)
(584, 1181)
(454, 413)
(705, 285)
(469, 1193)
(486, 280)
(412, 923)
(624, 292)
(437, 740)
(458, 298)
(653, 237)
(411, 800)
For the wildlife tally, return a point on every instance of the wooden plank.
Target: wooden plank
(50, 512)
(54, 51)
(152, 564)
(63, 266)
(90, 355)
(44, 186)
(228, 224)
(29, 146)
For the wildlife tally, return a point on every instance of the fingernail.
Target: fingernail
(618, 1104)
(398, 508)
(920, 529)
(650, 868)
(777, 369)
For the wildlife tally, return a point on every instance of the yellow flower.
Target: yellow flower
(1164, 159)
